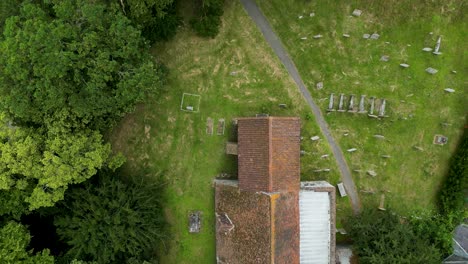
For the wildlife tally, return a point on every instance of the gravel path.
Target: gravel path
(270, 36)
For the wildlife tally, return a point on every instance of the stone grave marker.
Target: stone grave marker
(357, 12)
(341, 104)
(319, 85)
(318, 36)
(437, 46)
(366, 36)
(351, 104)
(330, 104)
(346, 35)
(379, 136)
(449, 90)
(372, 103)
(404, 65)
(351, 150)
(372, 173)
(382, 202)
(342, 190)
(375, 36)
(385, 58)
(427, 49)
(431, 70)
(382, 107)
(315, 138)
(362, 109)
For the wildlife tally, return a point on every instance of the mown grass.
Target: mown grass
(416, 101)
(236, 74)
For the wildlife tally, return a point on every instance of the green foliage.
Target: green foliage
(8, 8)
(208, 21)
(112, 221)
(14, 239)
(381, 237)
(38, 166)
(86, 66)
(157, 19)
(452, 193)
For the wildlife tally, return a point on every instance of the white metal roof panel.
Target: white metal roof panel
(314, 208)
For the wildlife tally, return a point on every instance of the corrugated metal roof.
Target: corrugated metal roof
(314, 210)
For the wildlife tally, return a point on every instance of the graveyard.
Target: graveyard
(235, 75)
(387, 134)
(388, 78)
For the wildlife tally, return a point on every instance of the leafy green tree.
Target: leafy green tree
(382, 237)
(112, 221)
(157, 19)
(86, 66)
(14, 239)
(208, 20)
(38, 166)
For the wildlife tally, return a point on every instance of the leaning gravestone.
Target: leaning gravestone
(351, 104)
(437, 47)
(346, 35)
(404, 65)
(318, 36)
(427, 49)
(382, 107)
(372, 103)
(431, 70)
(449, 90)
(366, 36)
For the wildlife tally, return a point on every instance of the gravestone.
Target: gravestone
(379, 136)
(220, 130)
(437, 46)
(431, 70)
(342, 190)
(324, 156)
(362, 109)
(427, 49)
(385, 58)
(319, 85)
(382, 108)
(449, 90)
(351, 104)
(300, 17)
(209, 126)
(315, 138)
(318, 36)
(375, 36)
(382, 201)
(284, 106)
(312, 14)
(189, 107)
(304, 38)
(330, 104)
(351, 150)
(372, 173)
(341, 104)
(440, 140)
(366, 36)
(386, 156)
(404, 65)
(372, 103)
(195, 222)
(346, 35)
(357, 12)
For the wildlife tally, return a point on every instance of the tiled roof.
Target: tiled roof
(268, 153)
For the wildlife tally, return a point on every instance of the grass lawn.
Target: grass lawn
(236, 74)
(416, 101)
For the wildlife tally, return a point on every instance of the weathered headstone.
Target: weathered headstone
(385, 58)
(300, 17)
(372, 173)
(284, 106)
(404, 65)
(342, 190)
(372, 103)
(379, 136)
(351, 104)
(431, 70)
(324, 156)
(357, 12)
(304, 38)
(382, 202)
(312, 14)
(194, 222)
(386, 156)
(318, 36)
(319, 85)
(330, 103)
(352, 150)
(362, 109)
(209, 126)
(346, 35)
(449, 90)
(303, 152)
(375, 36)
(382, 107)
(315, 138)
(189, 107)
(341, 104)
(427, 49)
(440, 140)
(437, 46)
(366, 36)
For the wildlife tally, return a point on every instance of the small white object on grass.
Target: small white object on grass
(375, 36)
(300, 17)
(315, 138)
(357, 12)
(449, 90)
(366, 36)
(304, 38)
(352, 149)
(318, 36)
(324, 156)
(427, 49)
(431, 70)
(346, 35)
(312, 14)
(319, 85)
(372, 173)
(404, 65)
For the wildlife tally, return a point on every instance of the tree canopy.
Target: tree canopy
(112, 221)
(85, 66)
(14, 239)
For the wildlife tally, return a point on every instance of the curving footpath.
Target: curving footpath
(270, 36)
